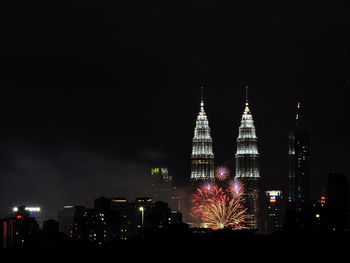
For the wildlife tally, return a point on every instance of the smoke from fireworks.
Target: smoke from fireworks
(220, 208)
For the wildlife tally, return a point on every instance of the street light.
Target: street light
(142, 209)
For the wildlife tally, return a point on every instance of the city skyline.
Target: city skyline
(92, 100)
(180, 183)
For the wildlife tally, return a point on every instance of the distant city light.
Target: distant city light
(273, 193)
(29, 209)
(32, 209)
(272, 199)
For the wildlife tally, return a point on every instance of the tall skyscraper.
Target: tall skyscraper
(202, 158)
(291, 166)
(66, 218)
(273, 211)
(299, 158)
(162, 189)
(247, 168)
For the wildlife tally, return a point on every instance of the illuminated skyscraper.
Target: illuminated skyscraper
(291, 165)
(202, 158)
(247, 169)
(299, 174)
(273, 211)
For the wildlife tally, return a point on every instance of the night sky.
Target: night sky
(95, 93)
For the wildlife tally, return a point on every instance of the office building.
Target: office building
(273, 211)
(162, 188)
(202, 158)
(247, 167)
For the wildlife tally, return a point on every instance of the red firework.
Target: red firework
(205, 195)
(228, 213)
(217, 208)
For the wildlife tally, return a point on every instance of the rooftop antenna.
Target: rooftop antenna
(246, 110)
(298, 111)
(202, 97)
(202, 102)
(246, 95)
(202, 94)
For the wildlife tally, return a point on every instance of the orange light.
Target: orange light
(272, 199)
(19, 217)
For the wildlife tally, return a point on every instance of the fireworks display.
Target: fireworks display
(206, 195)
(236, 188)
(219, 207)
(222, 173)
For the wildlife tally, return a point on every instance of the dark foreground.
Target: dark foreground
(214, 245)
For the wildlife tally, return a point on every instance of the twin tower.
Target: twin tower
(246, 159)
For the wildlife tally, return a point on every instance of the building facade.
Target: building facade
(247, 168)
(202, 158)
(20, 229)
(299, 159)
(162, 188)
(273, 214)
(99, 224)
(66, 216)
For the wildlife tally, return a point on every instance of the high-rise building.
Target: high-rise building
(291, 166)
(33, 211)
(66, 217)
(202, 158)
(299, 158)
(247, 168)
(20, 229)
(152, 215)
(98, 225)
(162, 188)
(273, 214)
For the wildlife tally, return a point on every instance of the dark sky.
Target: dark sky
(95, 93)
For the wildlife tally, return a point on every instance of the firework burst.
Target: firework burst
(205, 195)
(236, 188)
(222, 173)
(218, 207)
(224, 213)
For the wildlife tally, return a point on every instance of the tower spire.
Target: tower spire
(202, 96)
(202, 101)
(297, 117)
(202, 158)
(246, 95)
(201, 93)
(246, 110)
